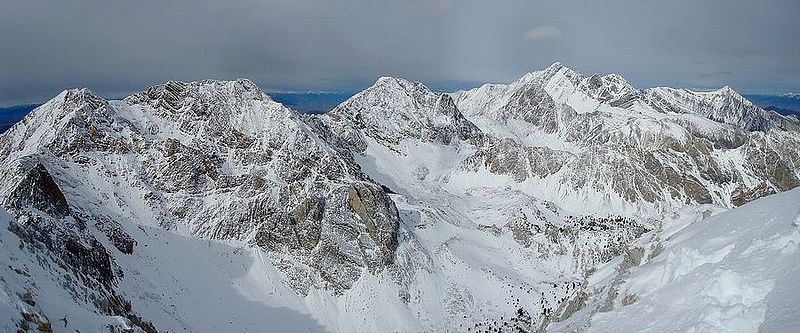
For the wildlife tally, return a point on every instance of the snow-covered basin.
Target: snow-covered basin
(738, 271)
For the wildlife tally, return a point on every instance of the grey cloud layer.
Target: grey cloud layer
(117, 47)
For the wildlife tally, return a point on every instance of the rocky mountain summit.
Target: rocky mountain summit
(481, 209)
(393, 110)
(661, 146)
(212, 160)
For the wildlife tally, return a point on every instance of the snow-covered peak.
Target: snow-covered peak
(592, 117)
(723, 105)
(560, 83)
(201, 108)
(724, 92)
(56, 122)
(173, 95)
(391, 80)
(556, 70)
(729, 92)
(79, 97)
(394, 87)
(726, 89)
(611, 95)
(395, 109)
(612, 89)
(233, 113)
(67, 102)
(393, 93)
(554, 67)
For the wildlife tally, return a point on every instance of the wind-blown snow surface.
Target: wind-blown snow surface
(734, 272)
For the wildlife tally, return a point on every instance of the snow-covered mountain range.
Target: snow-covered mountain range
(208, 207)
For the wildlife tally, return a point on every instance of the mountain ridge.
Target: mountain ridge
(496, 202)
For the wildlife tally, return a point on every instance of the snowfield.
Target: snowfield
(737, 271)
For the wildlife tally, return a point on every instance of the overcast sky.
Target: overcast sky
(116, 47)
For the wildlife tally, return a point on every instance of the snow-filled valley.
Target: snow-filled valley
(556, 203)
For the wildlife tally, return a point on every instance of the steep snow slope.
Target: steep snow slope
(174, 282)
(733, 272)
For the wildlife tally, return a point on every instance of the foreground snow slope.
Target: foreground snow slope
(734, 272)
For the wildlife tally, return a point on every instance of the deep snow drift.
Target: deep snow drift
(734, 272)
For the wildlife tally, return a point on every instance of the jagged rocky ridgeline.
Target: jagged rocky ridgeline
(398, 191)
(663, 146)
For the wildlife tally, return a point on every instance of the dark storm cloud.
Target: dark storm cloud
(121, 46)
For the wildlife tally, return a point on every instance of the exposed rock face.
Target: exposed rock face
(611, 89)
(508, 157)
(38, 190)
(218, 160)
(723, 106)
(667, 147)
(393, 110)
(38, 201)
(378, 214)
(352, 229)
(48, 228)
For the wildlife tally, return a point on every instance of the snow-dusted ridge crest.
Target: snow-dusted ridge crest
(483, 209)
(573, 139)
(614, 90)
